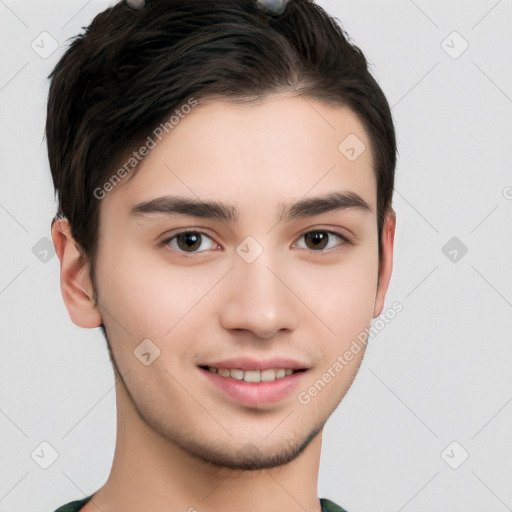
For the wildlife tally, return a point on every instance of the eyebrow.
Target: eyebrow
(308, 207)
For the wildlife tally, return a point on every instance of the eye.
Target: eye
(190, 241)
(320, 240)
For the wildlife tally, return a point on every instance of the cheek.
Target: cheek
(145, 296)
(142, 295)
(343, 295)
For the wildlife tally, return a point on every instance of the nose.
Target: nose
(260, 300)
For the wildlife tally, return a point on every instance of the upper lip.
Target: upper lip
(247, 363)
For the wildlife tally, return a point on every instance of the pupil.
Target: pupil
(189, 240)
(318, 238)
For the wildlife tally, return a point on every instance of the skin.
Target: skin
(180, 439)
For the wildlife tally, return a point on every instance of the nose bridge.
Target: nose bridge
(259, 300)
(260, 280)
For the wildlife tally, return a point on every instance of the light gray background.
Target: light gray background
(438, 373)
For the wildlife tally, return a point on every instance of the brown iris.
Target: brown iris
(188, 241)
(318, 239)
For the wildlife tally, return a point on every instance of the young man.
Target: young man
(224, 173)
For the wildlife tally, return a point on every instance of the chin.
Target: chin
(249, 457)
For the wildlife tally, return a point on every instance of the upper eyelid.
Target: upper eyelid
(204, 231)
(201, 231)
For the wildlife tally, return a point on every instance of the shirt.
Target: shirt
(75, 506)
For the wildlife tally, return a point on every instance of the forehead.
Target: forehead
(284, 147)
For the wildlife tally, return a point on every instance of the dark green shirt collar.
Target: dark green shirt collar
(75, 506)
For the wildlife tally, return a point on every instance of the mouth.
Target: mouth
(266, 375)
(252, 383)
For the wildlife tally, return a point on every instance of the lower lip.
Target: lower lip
(255, 393)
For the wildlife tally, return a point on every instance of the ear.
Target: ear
(75, 282)
(386, 261)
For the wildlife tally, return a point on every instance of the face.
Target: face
(245, 252)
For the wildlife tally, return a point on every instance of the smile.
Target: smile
(267, 375)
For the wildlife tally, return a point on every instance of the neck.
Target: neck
(151, 473)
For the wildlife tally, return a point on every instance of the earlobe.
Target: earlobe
(386, 262)
(75, 283)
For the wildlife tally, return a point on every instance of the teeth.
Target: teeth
(252, 376)
(267, 375)
(236, 374)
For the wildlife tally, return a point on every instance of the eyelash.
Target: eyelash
(346, 241)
